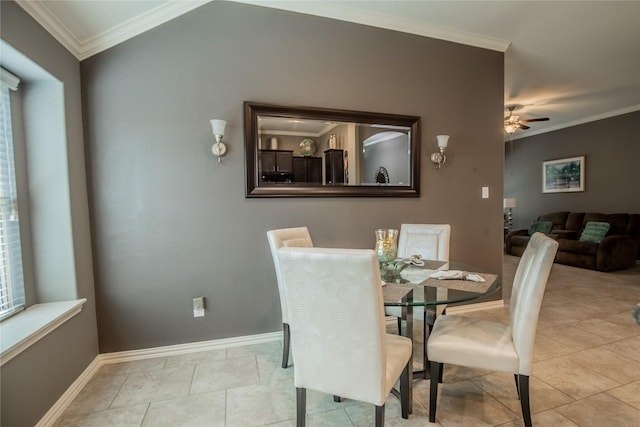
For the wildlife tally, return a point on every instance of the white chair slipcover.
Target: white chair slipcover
(492, 345)
(336, 318)
(431, 241)
(297, 237)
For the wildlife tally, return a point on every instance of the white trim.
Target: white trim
(83, 49)
(24, 329)
(172, 350)
(475, 307)
(136, 26)
(379, 20)
(9, 79)
(608, 114)
(72, 392)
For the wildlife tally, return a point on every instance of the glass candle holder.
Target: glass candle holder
(386, 244)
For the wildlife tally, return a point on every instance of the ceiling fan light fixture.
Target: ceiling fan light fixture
(511, 128)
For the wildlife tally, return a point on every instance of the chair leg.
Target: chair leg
(399, 325)
(436, 369)
(380, 416)
(406, 390)
(515, 376)
(301, 406)
(523, 385)
(337, 399)
(286, 345)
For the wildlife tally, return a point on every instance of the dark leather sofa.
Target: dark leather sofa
(618, 250)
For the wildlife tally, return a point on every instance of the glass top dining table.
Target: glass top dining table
(411, 286)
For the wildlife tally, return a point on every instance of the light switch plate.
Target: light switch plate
(198, 307)
(485, 192)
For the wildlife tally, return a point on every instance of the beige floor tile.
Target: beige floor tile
(546, 347)
(605, 362)
(220, 374)
(628, 348)
(629, 393)
(133, 366)
(572, 379)
(260, 404)
(96, 395)
(502, 387)
(548, 418)
(154, 385)
(601, 410)
(609, 330)
(195, 358)
(255, 349)
(202, 410)
(129, 416)
(465, 404)
(574, 337)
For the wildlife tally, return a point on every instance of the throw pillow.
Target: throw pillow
(540, 227)
(594, 231)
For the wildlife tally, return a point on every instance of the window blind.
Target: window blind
(12, 296)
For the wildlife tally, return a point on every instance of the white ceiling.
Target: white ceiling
(571, 61)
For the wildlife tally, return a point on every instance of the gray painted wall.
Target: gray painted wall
(34, 380)
(612, 175)
(171, 224)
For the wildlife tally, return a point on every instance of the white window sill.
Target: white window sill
(22, 330)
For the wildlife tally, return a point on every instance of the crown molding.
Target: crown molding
(83, 49)
(582, 121)
(357, 16)
(43, 16)
(136, 26)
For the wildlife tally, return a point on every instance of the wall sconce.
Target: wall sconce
(509, 204)
(218, 149)
(440, 158)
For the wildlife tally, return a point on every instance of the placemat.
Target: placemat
(464, 285)
(392, 292)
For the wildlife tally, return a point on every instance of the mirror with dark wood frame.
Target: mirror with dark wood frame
(317, 152)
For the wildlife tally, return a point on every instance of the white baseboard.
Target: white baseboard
(475, 307)
(72, 392)
(67, 397)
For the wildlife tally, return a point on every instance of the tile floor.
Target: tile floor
(586, 373)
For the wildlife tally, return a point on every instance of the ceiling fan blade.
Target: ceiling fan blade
(542, 119)
(524, 127)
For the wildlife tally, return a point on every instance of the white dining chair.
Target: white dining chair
(298, 237)
(431, 242)
(485, 344)
(336, 318)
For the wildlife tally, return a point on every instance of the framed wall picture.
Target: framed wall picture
(563, 175)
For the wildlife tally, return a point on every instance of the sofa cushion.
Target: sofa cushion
(618, 223)
(558, 219)
(568, 246)
(540, 226)
(574, 221)
(594, 231)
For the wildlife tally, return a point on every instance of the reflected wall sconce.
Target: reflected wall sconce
(440, 158)
(218, 149)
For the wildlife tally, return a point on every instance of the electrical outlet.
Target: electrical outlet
(198, 307)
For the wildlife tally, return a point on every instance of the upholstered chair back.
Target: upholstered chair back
(294, 237)
(431, 241)
(336, 316)
(528, 289)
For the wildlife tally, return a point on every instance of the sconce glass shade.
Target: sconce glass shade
(443, 140)
(509, 203)
(218, 126)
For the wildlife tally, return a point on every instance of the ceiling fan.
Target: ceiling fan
(513, 123)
